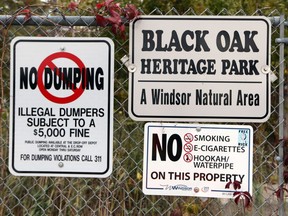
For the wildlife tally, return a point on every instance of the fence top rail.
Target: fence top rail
(6, 20)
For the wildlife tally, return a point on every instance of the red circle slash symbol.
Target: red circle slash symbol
(188, 137)
(188, 157)
(188, 147)
(48, 61)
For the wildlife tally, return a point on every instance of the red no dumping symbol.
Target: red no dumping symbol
(188, 137)
(48, 61)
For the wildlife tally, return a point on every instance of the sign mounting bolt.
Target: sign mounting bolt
(265, 69)
(60, 164)
(62, 48)
(278, 158)
(132, 68)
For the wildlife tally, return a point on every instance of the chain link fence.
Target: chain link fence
(121, 194)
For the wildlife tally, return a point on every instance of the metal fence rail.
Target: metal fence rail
(120, 194)
(87, 21)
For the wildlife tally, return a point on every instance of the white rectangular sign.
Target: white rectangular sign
(197, 160)
(61, 107)
(200, 68)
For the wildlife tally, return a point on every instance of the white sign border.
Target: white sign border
(139, 117)
(157, 191)
(110, 107)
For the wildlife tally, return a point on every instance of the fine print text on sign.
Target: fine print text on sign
(197, 160)
(61, 107)
(189, 68)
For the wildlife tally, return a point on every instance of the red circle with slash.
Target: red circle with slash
(48, 61)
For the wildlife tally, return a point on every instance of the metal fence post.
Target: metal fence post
(281, 114)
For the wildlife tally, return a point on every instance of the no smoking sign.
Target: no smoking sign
(196, 160)
(61, 106)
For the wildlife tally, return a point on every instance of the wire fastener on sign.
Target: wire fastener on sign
(131, 67)
(266, 69)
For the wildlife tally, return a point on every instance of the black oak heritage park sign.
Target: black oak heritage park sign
(190, 68)
(61, 107)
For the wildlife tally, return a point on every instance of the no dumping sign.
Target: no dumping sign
(197, 160)
(61, 107)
